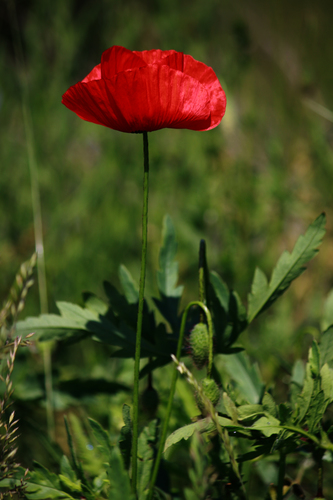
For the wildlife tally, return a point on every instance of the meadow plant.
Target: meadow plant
(239, 422)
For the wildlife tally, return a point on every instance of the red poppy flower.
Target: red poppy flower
(149, 90)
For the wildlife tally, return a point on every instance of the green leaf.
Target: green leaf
(230, 407)
(288, 268)
(120, 488)
(40, 484)
(316, 411)
(326, 374)
(129, 286)
(69, 485)
(146, 451)
(328, 312)
(66, 468)
(94, 303)
(203, 425)
(167, 276)
(303, 401)
(267, 425)
(221, 290)
(269, 405)
(102, 438)
(246, 375)
(314, 359)
(245, 412)
(125, 437)
(326, 346)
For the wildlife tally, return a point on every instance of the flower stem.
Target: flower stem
(282, 469)
(172, 389)
(140, 311)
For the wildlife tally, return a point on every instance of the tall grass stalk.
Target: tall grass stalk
(37, 214)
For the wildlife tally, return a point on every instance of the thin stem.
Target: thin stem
(172, 390)
(140, 311)
(282, 469)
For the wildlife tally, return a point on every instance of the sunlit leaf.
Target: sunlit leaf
(288, 268)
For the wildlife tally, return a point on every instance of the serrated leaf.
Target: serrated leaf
(288, 268)
(129, 286)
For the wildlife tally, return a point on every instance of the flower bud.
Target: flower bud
(211, 390)
(199, 343)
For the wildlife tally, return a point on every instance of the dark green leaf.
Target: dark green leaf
(125, 437)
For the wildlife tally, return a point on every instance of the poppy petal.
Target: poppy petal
(144, 99)
(117, 59)
(148, 90)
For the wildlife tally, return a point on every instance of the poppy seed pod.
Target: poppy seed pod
(149, 90)
(199, 343)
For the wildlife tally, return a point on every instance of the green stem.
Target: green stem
(140, 311)
(282, 469)
(173, 388)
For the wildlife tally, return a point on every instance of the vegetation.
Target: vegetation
(249, 188)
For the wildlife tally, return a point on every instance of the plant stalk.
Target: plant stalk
(282, 470)
(140, 311)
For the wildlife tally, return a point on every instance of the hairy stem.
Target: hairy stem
(140, 311)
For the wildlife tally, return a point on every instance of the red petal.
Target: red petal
(145, 99)
(117, 59)
(153, 56)
(95, 74)
(208, 78)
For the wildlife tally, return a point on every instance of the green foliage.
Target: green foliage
(248, 423)
(288, 268)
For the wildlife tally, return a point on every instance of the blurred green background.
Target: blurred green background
(250, 187)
